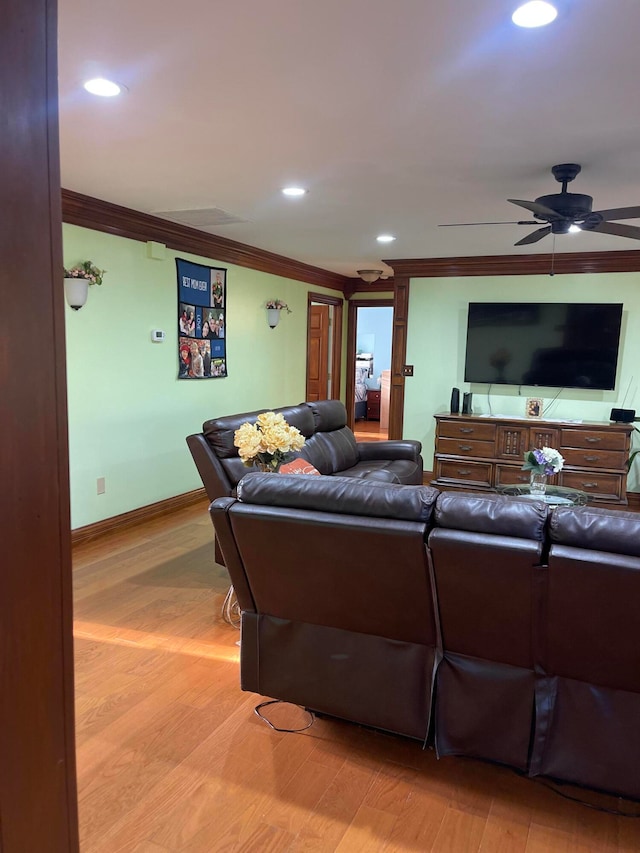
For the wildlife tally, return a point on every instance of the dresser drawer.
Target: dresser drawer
(509, 475)
(594, 439)
(595, 458)
(606, 486)
(465, 447)
(373, 405)
(474, 473)
(467, 429)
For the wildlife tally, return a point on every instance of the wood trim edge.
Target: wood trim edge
(537, 264)
(98, 215)
(136, 516)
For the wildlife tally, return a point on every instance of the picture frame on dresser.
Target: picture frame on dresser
(534, 407)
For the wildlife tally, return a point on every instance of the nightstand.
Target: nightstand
(373, 405)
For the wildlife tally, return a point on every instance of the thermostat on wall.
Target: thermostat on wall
(157, 336)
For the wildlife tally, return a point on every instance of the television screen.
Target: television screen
(560, 345)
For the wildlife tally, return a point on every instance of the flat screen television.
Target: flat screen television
(555, 344)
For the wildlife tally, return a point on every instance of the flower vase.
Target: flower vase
(538, 483)
(267, 468)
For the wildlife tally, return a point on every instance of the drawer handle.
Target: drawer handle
(465, 447)
(466, 430)
(590, 485)
(591, 458)
(523, 479)
(592, 440)
(463, 472)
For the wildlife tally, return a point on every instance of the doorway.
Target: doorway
(324, 347)
(370, 347)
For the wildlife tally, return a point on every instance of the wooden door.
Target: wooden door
(318, 353)
(38, 810)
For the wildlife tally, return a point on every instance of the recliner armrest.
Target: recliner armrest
(399, 449)
(212, 474)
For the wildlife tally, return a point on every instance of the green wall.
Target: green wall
(436, 339)
(128, 414)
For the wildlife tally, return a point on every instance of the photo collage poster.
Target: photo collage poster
(202, 300)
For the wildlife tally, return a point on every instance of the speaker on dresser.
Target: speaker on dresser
(455, 401)
(623, 416)
(466, 404)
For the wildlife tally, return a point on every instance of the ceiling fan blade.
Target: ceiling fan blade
(618, 230)
(538, 209)
(456, 224)
(619, 213)
(534, 236)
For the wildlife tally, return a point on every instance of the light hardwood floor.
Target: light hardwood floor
(172, 758)
(369, 431)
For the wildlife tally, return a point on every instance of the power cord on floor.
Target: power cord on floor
(258, 712)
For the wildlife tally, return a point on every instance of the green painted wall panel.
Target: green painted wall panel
(436, 339)
(128, 413)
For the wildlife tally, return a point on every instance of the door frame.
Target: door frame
(352, 323)
(336, 339)
(38, 799)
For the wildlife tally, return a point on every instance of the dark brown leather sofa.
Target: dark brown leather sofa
(330, 446)
(380, 603)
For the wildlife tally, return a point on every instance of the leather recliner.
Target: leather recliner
(332, 577)
(486, 553)
(590, 734)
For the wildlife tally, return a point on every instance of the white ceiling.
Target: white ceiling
(397, 116)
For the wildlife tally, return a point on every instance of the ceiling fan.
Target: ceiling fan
(563, 210)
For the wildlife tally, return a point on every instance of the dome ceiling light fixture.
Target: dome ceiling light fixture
(536, 13)
(369, 275)
(294, 192)
(385, 238)
(103, 88)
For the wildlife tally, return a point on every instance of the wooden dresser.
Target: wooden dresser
(373, 405)
(480, 453)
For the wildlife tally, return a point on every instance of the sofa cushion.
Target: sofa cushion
(403, 471)
(344, 495)
(220, 432)
(596, 529)
(328, 415)
(334, 451)
(496, 514)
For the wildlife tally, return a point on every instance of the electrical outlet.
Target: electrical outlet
(101, 485)
(407, 370)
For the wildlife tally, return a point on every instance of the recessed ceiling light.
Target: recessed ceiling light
(104, 88)
(536, 13)
(385, 238)
(574, 229)
(294, 192)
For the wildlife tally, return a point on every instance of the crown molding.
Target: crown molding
(574, 262)
(89, 212)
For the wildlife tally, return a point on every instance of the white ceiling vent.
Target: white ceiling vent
(205, 217)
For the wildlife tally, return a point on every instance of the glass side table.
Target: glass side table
(553, 496)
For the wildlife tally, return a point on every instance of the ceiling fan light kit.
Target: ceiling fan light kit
(566, 212)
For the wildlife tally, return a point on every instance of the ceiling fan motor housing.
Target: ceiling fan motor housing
(570, 205)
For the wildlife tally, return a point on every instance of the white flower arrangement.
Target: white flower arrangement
(267, 443)
(278, 304)
(85, 270)
(543, 461)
